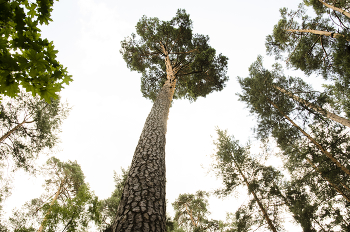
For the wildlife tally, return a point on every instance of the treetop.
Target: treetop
(198, 70)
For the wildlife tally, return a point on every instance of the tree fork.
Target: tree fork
(51, 204)
(318, 109)
(190, 213)
(347, 171)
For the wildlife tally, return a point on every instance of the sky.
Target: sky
(108, 110)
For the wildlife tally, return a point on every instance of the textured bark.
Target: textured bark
(317, 32)
(143, 206)
(266, 216)
(347, 14)
(324, 112)
(329, 155)
(328, 180)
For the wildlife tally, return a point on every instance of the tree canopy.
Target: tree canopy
(319, 44)
(199, 71)
(26, 59)
(65, 206)
(29, 125)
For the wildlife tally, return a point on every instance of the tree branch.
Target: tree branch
(347, 14)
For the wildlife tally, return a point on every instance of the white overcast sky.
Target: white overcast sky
(109, 111)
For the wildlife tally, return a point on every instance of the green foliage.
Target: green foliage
(107, 208)
(235, 167)
(259, 92)
(328, 56)
(240, 221)
(69, 212)
(172, 226)
(191, 211)
(39, 131)
(312, 196)
(27, 60)
(5, 191)
(199, 71)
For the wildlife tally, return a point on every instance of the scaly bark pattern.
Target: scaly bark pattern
(143, 206)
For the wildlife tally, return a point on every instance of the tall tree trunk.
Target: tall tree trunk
(317, 32)
(142, 206)
(318, 109)
(328, 180)
(266, 216)
(347, 14)
(347, 171)
(52, 202)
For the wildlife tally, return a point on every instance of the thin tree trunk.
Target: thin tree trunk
(312, 140)
(266, 216)
(317, 32)
(285, 200)
(191, 216)
(347, 14)
(319, 224)
(324, 112)
(52, 202)
(143, 206)
(328, 180)
(13, 130)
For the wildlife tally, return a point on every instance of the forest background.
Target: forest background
(108, 110)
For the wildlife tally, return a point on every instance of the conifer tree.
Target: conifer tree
(275, 110)
(234, 166)
(174, 63)
(191, 211)
(316, 45)
(272, 97)
(64, 206)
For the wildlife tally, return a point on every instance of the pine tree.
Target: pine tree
(175, 63)
(191, 211)
(234, 166)
(65, 204)
(318, 193)
(275, 110)
(316, 45)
